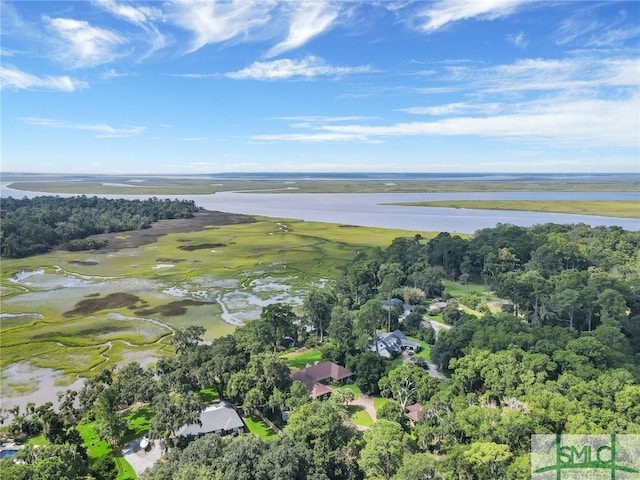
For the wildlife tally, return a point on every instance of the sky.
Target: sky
(203, 87)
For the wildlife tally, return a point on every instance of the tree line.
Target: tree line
(30, 226)
(537, 366)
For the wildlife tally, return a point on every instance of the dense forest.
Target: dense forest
(558, 352)
(31, 226)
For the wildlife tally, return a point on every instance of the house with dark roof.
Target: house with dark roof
(220, 418)
(390, 344)
(315, 377)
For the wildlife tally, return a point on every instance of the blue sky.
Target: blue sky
(191, 87)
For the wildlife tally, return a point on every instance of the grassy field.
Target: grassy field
(623, 209)
(196, 185)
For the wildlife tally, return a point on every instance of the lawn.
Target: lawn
(456, 289)
(360, 416)
(425, 351)
(138, 423)
(300, 360)
(257, 426)
(97, 449)
(379, 402)
(208, 395)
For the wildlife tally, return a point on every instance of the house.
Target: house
(413, 412)
(437, 307)
(390, 344)
(315, 377)
(220, 418)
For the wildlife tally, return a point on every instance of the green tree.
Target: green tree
(185, 340)
(488, 459)
(323, 428)
(407, 383)
(110, 424)
(265, 375)
(390, 276)
(279, 320)
(214, 364)
(368, 319)
(317, 306)
(368, 367)
(241, 458)
(340, 330)
(384, 448)
(418, 466)
(172, 413)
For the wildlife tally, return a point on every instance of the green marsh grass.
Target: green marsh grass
(250, 257)
(154, 186)
(619, 208)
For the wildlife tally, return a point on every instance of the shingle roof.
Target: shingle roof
(219, 416)
(314, 374)
(413, 411)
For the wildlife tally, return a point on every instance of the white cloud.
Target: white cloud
(553, 121)
(309, 20)
(453, 108)
(103, 130)
(141, 16)
(214, 21)
(138, 15)
(81, 45)
(11, 77)
(287, 68)
(518, 40)
(589, 30)
(443, 12)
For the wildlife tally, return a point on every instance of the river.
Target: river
(369, 209)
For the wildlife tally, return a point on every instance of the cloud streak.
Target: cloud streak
(549, 122)
(285, 68)
(310, 19)
(444, 12)
(11, 77)
(102, 130)
(217, 21)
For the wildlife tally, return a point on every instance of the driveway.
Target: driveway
(139, 458)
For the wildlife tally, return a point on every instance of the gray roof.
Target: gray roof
(392, 342)
(216, 417)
